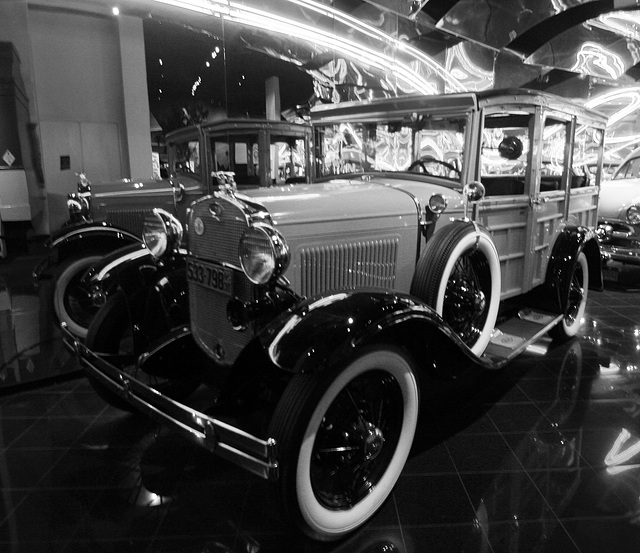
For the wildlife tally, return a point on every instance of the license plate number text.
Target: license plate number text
(210, 276)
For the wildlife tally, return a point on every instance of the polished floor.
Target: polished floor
(541, 457)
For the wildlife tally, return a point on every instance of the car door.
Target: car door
(550, 176)
(506, 171)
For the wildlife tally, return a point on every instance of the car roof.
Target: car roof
(401, 106)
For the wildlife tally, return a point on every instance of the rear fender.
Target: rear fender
(326, 330)
(567, 247)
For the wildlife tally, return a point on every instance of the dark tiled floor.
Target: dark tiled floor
(544, 456)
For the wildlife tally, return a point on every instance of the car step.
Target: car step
(514, 335)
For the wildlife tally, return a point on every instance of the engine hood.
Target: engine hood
(348, 199)
(616, 196)
(127, 188)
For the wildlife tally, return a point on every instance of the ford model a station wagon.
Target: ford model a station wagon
(441, 233)
(105, 217)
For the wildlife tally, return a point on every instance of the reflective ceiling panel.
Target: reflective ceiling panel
(496, 23)
(589, 51)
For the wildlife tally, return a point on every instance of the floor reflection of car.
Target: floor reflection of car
(619, 216)
(319, 306)
(540, 480)
(104, 217)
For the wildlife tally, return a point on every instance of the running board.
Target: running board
(511, 337)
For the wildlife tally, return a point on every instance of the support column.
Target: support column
(136, 100)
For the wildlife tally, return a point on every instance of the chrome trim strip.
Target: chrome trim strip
(237, 446)
(166, 191)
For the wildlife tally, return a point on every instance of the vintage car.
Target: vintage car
(107, 216)
(466, 233)
(619, 215)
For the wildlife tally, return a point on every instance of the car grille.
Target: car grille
(127, 219)
(208, 308)
(367, 264)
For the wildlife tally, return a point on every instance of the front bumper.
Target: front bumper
(237, 446)
(619, 241)
(621, 254)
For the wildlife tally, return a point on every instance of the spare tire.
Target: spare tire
(458, 274)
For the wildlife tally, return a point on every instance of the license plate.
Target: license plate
(210, 276)
(610, 273)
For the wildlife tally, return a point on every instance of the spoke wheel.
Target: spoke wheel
(71, 299)
(464, 305)
(458, 274)
(576, 301)
(110, 335)
(343, 438)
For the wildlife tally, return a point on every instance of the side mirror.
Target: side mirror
(473, 191)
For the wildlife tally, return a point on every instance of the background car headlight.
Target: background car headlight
(633, 215)
(162, 232)
(77, 205)
(263, 253)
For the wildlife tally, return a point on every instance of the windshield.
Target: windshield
(425, 145)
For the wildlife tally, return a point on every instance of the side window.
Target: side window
(585, 156)
(504, 154)
(554, 152)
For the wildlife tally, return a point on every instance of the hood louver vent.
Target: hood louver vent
(369, 264)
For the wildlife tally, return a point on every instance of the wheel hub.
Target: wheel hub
(466, 298)
(373, 441)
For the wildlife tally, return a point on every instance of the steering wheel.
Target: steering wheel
(430, 159)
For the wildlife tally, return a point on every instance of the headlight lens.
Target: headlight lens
(633, 215)
(77, 205)
(162, 232)
(263, 253)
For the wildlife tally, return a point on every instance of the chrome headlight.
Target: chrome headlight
(77, 205)
(263, 253)
(633, 215)
(162, 232)
(604, 232)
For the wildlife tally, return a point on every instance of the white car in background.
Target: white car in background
(619, 215)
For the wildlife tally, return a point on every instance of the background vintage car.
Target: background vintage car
(619, 216)
(440, 232)
(107, 216)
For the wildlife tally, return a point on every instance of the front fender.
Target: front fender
(82, 239)
(326, 330)
(121, 266)
(91, 231)
(153, 288)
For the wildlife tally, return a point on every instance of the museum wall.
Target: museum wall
(84, 119)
